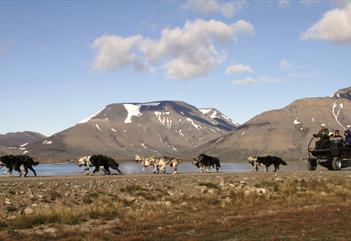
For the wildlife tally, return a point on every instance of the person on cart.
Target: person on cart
(323, 133)
(323, 136)
(337, 137)
(348, 135)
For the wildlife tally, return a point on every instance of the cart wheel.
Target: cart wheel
(336, 163)
(311, 164)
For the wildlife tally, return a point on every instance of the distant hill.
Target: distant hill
(284, 132)
(123, 130)
(19, 138)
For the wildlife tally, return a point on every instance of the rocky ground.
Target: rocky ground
(247, 206)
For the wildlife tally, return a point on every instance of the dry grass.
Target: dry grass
(294, 209)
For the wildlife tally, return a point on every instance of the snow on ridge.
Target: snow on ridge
(214, 114)
(90, 117)
(230, 120)
(25, 144)
(113, 129)
(151, 104)
(205, 110)
(133, 110)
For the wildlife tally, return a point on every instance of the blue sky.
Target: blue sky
(63, 61)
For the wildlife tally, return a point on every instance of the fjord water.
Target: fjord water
(58, 169)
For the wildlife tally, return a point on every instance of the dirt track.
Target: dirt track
(245, 206)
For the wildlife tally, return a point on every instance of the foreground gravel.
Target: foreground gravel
(144, 196)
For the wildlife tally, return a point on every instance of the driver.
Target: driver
(323, 133)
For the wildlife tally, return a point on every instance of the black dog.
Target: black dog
(267, 161)
(16, 161)
(205, 162)
(97, 161)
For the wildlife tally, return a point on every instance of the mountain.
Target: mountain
(123, 130)
(19, 138)
(17, 142)
(224, 121)
(343, 93)
(285, 132)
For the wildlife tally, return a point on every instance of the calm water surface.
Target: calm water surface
(51, 169)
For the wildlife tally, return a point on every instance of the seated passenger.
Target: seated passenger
(348, 135)
(336, 134)
(337, 137)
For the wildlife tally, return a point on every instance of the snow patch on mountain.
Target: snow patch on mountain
(336, 111)
(215, 114)
(133, 110)
(163, 117)
(90, 117)
(97, 127)
(193, 123)
(230, 120)
(297, 122)
(205, 110)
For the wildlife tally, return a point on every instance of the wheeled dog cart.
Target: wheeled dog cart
(331, 154)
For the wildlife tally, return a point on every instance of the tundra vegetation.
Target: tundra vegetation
(251, 206)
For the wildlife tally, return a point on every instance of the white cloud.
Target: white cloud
(116, 52)
(284, 3)
(246, 81)
(187, 52)
(285, 65)
(335, 26)
(228, 9)
(191, 51)
(239, 68)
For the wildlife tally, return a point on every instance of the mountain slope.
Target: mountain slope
(224, 121)
(285, 132)
(19, 138)
(123, 130)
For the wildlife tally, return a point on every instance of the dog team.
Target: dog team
(204, 163)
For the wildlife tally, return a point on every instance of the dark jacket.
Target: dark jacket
(323, 134)
(348, 136)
